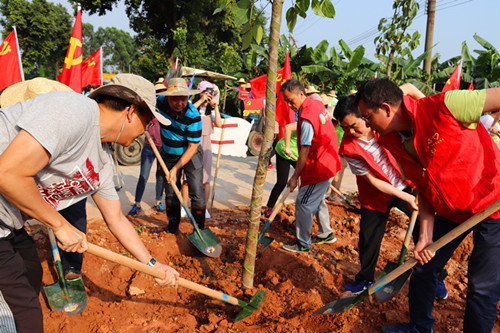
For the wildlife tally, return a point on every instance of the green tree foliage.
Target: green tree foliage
(394, 39)
(43, 29)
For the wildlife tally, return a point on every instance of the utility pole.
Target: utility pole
(429, 34)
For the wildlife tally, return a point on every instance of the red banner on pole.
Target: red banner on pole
(72, 70)
(253, 106)
(10, 61)
(453, 82)
(92, 69)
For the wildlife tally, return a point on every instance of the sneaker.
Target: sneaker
(295, 247)
(72, 273)
(330, 239)
(441, 292)
(267, 212)
(135, 210)
(357, 287)
(207, 214)
(159, 207)
(401, 328)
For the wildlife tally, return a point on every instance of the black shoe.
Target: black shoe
(330, 239)
(295, 247)
(72, 273)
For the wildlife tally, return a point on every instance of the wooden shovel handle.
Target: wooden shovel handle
(138, 266)
(217, 164)
(413, 219)
(451, 235)
(277, 207)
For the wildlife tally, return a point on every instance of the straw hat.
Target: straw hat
(326, 99)
(28, 89)
(177, 86)
(311, 90)
(332, 93)
(242, 80)
(352, 92)
(247, 86)
(160, 85)
(134, 89)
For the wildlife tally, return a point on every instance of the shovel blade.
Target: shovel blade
(388, 268)
(338, 306)
(74, 303)
(206, 242)
(252, 306)
(392, 288)
(264, 240)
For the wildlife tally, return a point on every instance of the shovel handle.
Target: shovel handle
(451, 235)
(277, 207)
(217, 164)
(407, 239)
(138, 266)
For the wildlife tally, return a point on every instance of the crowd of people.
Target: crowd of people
(407, 150)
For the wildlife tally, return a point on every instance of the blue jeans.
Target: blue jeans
(483, 273)
(147, 158)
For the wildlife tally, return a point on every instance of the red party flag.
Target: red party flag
(10, 61)
(176, 63)
(92, 69)
(454, 80)
(72, 70)
(471, 86)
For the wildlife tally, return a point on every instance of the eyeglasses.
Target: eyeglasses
(369, 115)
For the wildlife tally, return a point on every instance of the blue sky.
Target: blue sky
(356, 23)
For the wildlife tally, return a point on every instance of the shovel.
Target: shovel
(340, 194)
(248, 308)
(217, 164)
(263, 239)
(204, 239)
(69, 296)
(381, 294)
(344, 304)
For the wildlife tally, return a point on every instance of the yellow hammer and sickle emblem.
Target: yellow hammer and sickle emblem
(279, 78)
(5, 48)
(249, 103)
(92, 62)
(69, 61)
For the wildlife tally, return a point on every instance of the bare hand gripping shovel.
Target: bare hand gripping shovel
(204, 239)
(69, 296)
(248, 308)
(344, 304)
(263, 239)
(392, 288)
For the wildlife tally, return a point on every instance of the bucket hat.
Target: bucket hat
(25, 90)
(311, 90)
(134, 89)
(177, 86)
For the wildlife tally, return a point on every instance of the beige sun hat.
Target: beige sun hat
(311, 90)
(160, 85)
(177, 86)
(134, 89)
(25, 90)
(242, 80)
(326, 99)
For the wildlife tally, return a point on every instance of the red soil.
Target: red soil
(296, 284)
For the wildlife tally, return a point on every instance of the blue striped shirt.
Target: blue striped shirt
(185, 127)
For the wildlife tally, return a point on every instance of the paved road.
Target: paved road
(233, 189)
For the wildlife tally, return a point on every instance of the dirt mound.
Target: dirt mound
(121, 300)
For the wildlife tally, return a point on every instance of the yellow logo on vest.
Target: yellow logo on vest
(433, 141)
(70, 60)
(322, 118)
(5, 48)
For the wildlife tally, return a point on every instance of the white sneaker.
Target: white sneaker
(183, 213)
(207, 214)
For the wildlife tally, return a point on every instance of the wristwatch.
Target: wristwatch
(152, 261)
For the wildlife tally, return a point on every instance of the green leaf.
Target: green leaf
(222, 5)
(262, 51)
(356, 58)
(345, 48)
(257, 33)
(291, 18)
(320, 50)
(315, 69)
(415, 63)
(484, 43)
(316, 7)
(327, 9)
(301, 7)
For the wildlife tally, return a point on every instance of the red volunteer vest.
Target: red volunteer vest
(460, 174)
(323, 161)
(369, 196)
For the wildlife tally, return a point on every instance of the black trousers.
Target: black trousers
(282, 170)
(77, 216)
(21, 280)
(371, 233)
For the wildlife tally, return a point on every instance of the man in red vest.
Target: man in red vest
(317, 164)
(447, 153)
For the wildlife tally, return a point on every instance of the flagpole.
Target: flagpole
(102, 60)
(19, 54)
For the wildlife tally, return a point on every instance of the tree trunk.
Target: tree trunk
(260, 174)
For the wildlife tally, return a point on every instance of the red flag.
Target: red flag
(176, 63)
(72, 70)
(10, 61)
(284, 115)
(374, 76)
(92, 69)
(471, 86)
(259, 86)
(454, 80)
(252, 106)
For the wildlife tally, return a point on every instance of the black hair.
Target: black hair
(345, 106)
(378, 91)
(118, 104)
(293, 86)
(209, 107)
